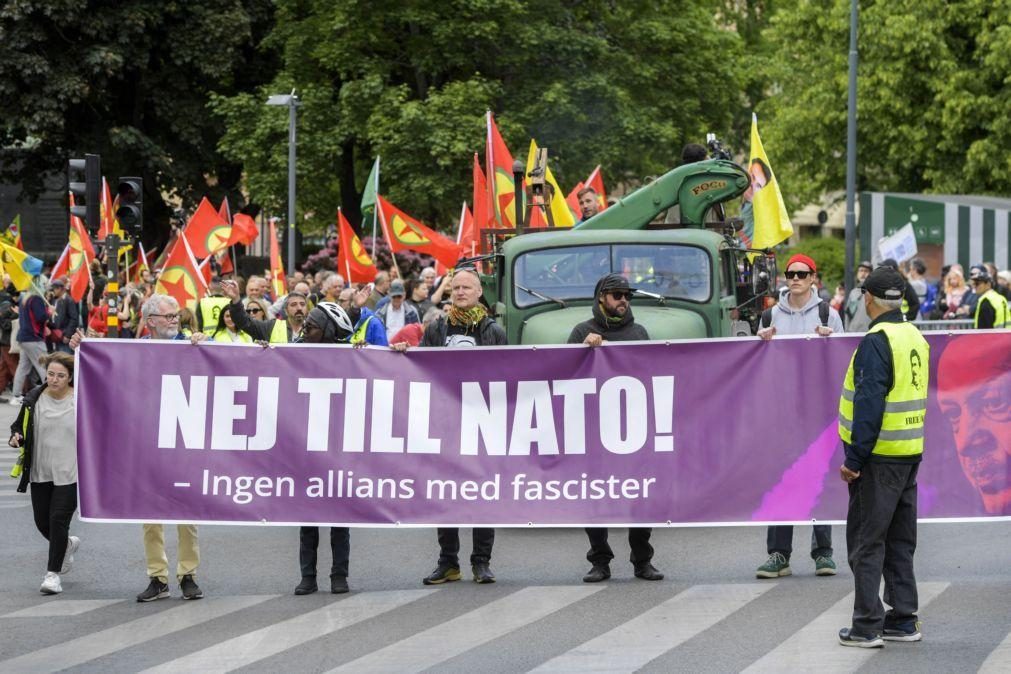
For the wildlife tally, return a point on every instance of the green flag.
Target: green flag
(371, 189)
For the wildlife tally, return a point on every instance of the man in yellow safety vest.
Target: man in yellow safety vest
(881, 422)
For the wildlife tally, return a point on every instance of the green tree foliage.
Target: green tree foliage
(129, 80)
(620, 84)
(934, 98)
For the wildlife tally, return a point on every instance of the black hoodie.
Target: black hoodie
(625, 330)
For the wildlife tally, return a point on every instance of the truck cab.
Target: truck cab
(693, 280)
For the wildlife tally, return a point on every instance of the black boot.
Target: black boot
(306, 586)
(598, 573)
(647, 571)
(339, 585)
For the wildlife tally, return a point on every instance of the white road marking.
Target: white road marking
(58, 608)
(470, 630)
(999, 661)
(817, 644)
(633, 644)
(262, 643)
(83, 649)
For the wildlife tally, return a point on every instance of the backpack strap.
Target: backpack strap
(767, 318)
(823, 313)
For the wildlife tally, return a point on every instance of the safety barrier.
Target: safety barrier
(959, 324)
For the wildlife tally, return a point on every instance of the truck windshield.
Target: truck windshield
(675, 271)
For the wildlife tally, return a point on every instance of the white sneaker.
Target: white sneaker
(68, 559)
(51, 584)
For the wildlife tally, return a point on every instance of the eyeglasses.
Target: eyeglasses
(798, 274)
(254, 310)
(168, 317)
(620, 295)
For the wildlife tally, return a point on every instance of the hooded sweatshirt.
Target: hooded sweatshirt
(790, 321)
(623, 330)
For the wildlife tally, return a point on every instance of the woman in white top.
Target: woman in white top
(46, 428)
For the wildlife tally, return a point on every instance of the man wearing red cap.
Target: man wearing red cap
(799, 312)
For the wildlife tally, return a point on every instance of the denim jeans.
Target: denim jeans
(780, 539)
(449, 546)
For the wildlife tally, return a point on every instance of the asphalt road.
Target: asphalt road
(709, 615)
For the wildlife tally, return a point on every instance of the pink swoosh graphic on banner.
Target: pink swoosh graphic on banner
(797, 492)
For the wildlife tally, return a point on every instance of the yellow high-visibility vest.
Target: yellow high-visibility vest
(223, 336)
(906, 403)
(1002, 320)
(279, 333)
(210, 311)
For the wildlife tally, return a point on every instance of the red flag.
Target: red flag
(79, 255)
(225, 261)
(62, 265)
(501, 190)
(244, 230)
(279, 282)
(405, 233)
(144, 261)
(224, 211)
(352, 260)
(107, 213)
(596, 181)
(482, 217)
(468, 237)
(205, 271)
(181, 278)
(573, 201)
(207, 232)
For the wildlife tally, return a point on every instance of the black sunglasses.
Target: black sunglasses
(254, 310)
(798, 274)
(620, 295)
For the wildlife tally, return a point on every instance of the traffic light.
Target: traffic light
(87, 194)
(130, 212)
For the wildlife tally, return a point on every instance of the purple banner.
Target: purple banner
(731, 431)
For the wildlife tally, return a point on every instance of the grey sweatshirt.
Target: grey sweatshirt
(790, 321)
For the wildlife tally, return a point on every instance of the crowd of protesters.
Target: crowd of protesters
(40, 327)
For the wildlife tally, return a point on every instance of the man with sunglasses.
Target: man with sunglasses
(800, 311)
(991, 307)
(612, 321)
(277, 331)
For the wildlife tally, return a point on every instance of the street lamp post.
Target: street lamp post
(290, 100)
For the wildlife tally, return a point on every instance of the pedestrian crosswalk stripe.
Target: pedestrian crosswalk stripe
(817, 642)
(447, 640)
(83, 649)
(254, 646)
(62, 608)
(633, 644)
(5, 506)
(999, 660)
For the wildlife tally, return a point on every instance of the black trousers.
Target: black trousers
(449, 546)
(340, 547)
(780, 539)
(638, 540)
(54, 507)
(881, 536)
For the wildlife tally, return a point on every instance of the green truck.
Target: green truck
(693, 280)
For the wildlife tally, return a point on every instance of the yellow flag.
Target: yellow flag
(560, 212)
(19, 265)
(772, 222)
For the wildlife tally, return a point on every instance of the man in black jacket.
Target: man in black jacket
(465, 324)
(68, 315)
(613, 322)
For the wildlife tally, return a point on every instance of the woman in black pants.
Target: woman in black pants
(46, 428)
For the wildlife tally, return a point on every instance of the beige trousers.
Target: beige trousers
(154, 548)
